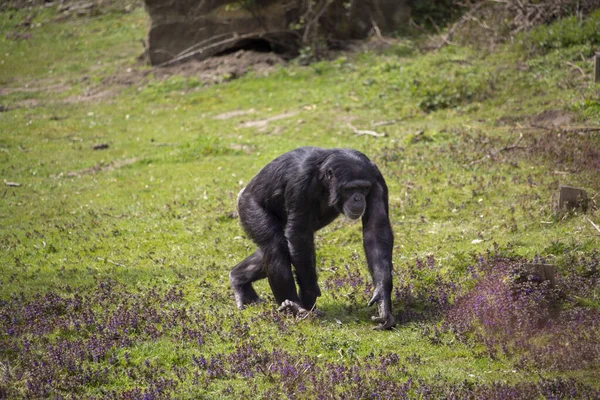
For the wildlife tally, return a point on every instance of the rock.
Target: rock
(537, 273)
(209, 27)
(572, 197)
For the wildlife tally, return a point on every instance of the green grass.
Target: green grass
(160, 216)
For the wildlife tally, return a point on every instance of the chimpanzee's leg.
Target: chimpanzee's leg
(266, 230)
(242, 276)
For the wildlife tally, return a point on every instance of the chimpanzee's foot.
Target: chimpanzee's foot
(245, 295)
(384, 318)
(293, 307)
(385, 323)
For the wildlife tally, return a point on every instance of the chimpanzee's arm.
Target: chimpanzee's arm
(300, 236)
(378, 241)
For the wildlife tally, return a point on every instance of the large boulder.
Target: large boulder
(183, 29)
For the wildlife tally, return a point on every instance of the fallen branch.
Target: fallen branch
(11, 184)
(514, 146)
(189, 54)
(568, 128)
(360, 132)
(445, 39)
(384, 123)
(199, 44)
(101, 167)
(578, 68)
(378, 32)
(593, 224)
(201, 50)
(118, 264)
(307, 314)
(542, 127)
(580, 129)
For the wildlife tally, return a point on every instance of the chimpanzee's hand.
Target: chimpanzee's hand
(293, 307)
(384, 316)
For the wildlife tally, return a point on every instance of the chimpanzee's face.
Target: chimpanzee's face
(354, 197)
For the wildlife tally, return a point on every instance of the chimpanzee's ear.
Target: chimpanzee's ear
(329, 174)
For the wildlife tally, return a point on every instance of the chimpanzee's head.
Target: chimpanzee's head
(353, 198)
(349, 182)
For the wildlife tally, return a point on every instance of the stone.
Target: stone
(540, 272)
(201, 29)
(572, 197)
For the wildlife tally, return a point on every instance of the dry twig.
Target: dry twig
(581, 71)
(186, 54)
(307, 314)
(445, 39)
(11, 184)
(568, 128)
(593, 224)
(118, 264)
(384, 123)
(378, 32)
(360, 132)
(542, 127)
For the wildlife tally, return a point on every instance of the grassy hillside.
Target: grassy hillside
(118, 227)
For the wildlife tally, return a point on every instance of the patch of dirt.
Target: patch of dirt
(213, 70)
(262, 123)
(345, 119)
(233, 114)
(74, 5)
(508, 120)
(16, 36)
(216, 69)
(552, 137)
(33, 89)
(27, 103)
(248, 149)
(225, 67)
(37, 86)
(98, 168)
(94, 95)
(110, 86)
(567, 151)
(552, 118)
(126, 77)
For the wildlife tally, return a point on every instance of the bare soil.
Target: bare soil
(211, 71)
(101, 167)
(552, 118)
(225, 67)
(234, 113)
(262, 123)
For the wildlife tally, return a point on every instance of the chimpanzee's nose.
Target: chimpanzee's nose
(356, 197)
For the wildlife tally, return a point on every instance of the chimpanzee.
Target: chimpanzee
(294, 196)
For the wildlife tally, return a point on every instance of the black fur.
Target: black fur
(292, 197)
